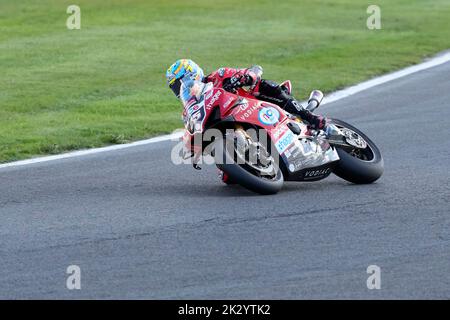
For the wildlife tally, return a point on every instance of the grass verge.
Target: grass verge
(62, 90)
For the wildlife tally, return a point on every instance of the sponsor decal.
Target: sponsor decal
(295, 147)
(248, 111)
(285, 141)
(287, 153)
(214, 99)
(194, 117)
(317, 173)
(268, 115)
(279, 131)
(292, 152)
(299, 164)
(243, 106)
(227, 103)
(208, 94)
(193, 108)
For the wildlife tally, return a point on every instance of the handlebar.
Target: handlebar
(312, 105)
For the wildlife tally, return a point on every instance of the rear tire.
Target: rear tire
(354, 169)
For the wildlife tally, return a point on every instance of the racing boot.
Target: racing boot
(316, 122)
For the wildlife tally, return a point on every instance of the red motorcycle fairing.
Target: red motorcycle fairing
(300, 152)
(247, 109)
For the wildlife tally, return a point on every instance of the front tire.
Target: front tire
(360, 166)
(241, 174)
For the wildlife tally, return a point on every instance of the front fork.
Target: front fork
(343, 138)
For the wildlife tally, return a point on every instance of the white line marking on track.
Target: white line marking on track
(335, 96)
(341, 94)
(91, 151)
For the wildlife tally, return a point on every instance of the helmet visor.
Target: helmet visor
(175, 86)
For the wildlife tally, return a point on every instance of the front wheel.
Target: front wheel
(262, 176)
(356, 164)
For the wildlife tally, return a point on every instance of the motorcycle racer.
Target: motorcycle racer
(230, 79)
(184, 75)
(220, 118)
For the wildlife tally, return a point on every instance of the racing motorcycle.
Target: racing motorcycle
(258, 145)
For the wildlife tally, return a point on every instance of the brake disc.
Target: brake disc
(354, 139)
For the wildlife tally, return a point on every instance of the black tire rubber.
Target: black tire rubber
(356, 170)
(229, 181)
(244, 178)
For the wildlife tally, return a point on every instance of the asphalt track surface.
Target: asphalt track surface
(140, 227)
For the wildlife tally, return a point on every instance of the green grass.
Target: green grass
(65, 89)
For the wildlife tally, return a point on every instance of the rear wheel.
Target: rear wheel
(362, 162)
(248, 163)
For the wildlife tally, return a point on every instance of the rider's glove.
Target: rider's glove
(317, 122)
(248, 77)
(236, 81)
